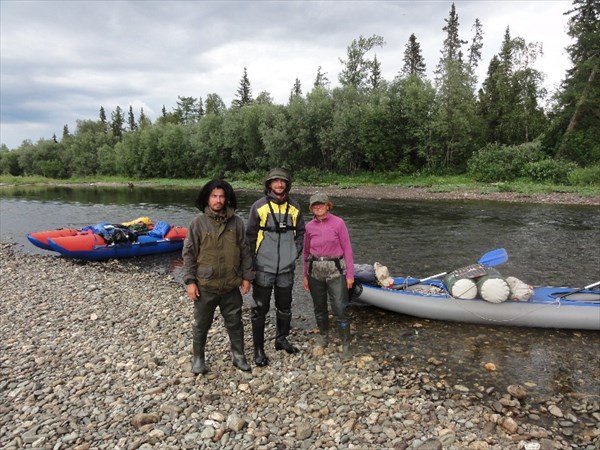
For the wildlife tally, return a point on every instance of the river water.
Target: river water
(547, 245)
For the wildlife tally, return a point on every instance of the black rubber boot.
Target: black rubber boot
(262, 299)
(236, 337)
(283, 302)
(345, 338)
(198, 359)
(258, 337)
(284, 322)
(323, 339)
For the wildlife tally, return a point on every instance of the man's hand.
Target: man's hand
(192, 291)
(245, 287)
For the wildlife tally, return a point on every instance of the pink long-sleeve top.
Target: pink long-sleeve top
(328, 237)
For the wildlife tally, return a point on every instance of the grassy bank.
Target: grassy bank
(253, 181)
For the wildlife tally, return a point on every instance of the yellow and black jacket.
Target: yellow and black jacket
(275, 232)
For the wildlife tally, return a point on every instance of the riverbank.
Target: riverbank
(418, 193)
(96, 356)
(376, 192)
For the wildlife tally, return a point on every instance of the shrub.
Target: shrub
(310, 175)
(586, 176)
(549, 171)
(496, 162)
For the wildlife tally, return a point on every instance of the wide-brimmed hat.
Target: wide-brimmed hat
(319, 197)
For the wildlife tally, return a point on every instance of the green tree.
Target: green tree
(510, 95)
(264, 98)
(117, 123)
(107, 160)
(357, 67)
(214, 105)
(131, 120)
(9, 162)
(103, 121)
(455, 125)
(376, 79)
(242, 139)
(244, 92)
(296, 90)
(412, 109)
(318, 121)
(168, 117)
(209, 156)
(80, 155)
(475, 47)
(575, 130)
(188, 110)
(414, 63)
(144, 120)
(285, 140)
(321, 80)
(377, 134)
(342, 141)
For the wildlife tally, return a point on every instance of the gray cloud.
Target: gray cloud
(61, 61)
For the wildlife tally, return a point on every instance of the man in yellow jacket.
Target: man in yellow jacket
(275, 233)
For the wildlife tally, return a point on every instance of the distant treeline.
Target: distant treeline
(410, 124)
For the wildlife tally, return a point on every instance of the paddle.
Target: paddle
(491, 259)
(589, 286)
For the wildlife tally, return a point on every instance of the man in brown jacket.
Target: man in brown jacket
(217, 270)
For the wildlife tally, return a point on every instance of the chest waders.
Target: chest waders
(283, 299)
(230, 306)
(335, 289)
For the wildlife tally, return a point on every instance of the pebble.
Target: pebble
(96, 356)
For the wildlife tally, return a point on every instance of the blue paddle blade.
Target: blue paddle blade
(494, 257)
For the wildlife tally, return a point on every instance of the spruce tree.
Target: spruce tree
(244, 92)
(375, 79)
(103, 119)
(131, 120)
(414, 63)
(456, 124)
(296, 90)
(117, 121)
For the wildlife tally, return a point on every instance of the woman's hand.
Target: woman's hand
(305, 283)
(349, 282)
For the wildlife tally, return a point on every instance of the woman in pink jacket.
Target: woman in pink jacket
(328, 268)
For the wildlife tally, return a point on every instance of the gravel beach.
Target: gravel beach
(96, 356)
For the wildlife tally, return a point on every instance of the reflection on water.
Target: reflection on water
(546, 244)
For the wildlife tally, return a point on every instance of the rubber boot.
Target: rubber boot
(237, 350)
(284, 323)
(262, 299)
(283, 301)
(345, 338)
(258, 337)
(323, 339)
(198, 359)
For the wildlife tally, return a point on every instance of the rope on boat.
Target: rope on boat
(557, 303)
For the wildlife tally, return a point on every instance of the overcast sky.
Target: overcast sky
(62, 60)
